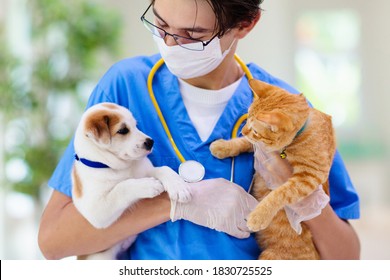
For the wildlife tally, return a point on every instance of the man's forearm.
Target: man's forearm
(64, 232)
(333, 237)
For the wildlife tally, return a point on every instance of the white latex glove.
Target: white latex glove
(275, 172)
(217, 204)
(306, 209)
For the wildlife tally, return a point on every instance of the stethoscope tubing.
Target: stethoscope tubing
(236, 126)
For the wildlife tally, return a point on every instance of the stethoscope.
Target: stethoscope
(192, 170)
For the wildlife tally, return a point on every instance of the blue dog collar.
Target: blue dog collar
(89, 163)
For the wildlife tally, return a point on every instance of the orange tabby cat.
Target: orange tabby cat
(283, 122)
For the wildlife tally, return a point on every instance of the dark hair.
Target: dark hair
(233, 13)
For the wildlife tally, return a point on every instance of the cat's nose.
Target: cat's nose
(245, 130)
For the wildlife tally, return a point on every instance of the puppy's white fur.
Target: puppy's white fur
(107, 134)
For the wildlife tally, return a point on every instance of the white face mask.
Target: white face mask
(187, 64)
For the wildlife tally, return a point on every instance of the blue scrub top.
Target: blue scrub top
(125, 84)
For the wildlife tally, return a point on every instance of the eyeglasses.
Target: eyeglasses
(185, 42)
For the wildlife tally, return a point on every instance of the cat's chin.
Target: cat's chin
(261, 146)
(253, 142)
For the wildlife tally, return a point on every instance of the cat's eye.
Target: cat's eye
(123, 131)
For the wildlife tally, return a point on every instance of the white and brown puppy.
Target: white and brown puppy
(112, 172)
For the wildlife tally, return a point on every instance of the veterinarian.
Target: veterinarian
(200, 92)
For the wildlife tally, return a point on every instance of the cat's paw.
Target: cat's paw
(259, 220)
(220, 149)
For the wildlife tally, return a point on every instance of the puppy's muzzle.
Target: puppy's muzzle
(148, 144)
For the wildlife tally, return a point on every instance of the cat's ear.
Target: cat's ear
(260, 88)
(275, 121)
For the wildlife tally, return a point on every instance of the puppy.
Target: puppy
(111, 171)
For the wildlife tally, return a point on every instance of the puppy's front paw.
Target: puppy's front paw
(152, 187)
(220, 149)
(179, 190)
(175, 186)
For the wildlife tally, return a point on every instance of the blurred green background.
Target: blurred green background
(53, 52)
(68, 40)
(51, 55)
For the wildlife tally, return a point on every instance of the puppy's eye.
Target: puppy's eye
(123, 131)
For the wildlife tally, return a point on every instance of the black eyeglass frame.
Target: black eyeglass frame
(175, 36)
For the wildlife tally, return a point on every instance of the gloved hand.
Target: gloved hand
(306, 209)
(275, 172)
(217, 204)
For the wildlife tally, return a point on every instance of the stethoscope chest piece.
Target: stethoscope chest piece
(191, 171)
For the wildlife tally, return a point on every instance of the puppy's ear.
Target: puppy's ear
(97, 128)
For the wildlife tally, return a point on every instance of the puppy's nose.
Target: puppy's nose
(148, 144)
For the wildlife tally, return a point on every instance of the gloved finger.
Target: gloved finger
(242, 226)
(240, 234)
